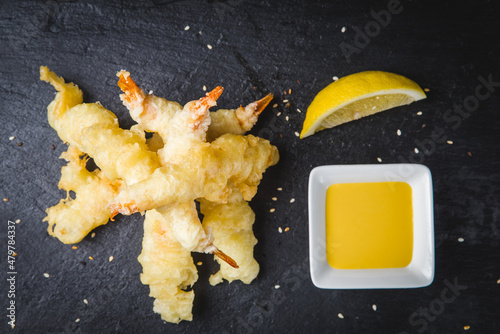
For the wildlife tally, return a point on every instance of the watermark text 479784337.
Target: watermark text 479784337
(11, 272)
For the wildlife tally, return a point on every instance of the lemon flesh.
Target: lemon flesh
(358, 95)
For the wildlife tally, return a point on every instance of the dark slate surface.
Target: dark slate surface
(258, 47)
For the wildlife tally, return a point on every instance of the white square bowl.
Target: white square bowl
(420, 271)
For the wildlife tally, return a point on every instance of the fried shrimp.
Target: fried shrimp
(236, 121)
(231, 226)
(182, 133)
(167, 268)
(94, 130)
(72, 219)
(206, 173)
(154, 113)
(193, 154)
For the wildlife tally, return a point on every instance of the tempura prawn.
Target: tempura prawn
(182, 133)
(167, 268)
(206, 173)
(72, 219)
(154, 113)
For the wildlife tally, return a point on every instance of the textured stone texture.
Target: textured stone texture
(258, 47)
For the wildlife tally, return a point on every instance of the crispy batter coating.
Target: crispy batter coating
(206, 172)
(167, 268)
(94, 130)
(154, 114)
(72, 219)
(231, 226)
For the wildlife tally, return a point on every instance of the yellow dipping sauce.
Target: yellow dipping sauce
(369, 225)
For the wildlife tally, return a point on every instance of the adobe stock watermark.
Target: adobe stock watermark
(11, 273)
(436, 307)
(291, 280)
(454, 116)
(372, 29)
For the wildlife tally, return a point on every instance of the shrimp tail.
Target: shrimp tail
(247, 116)
(226, 258)
(199, 109)
(261, 104)
(132, 93)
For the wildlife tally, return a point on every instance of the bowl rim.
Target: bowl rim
(420, 271)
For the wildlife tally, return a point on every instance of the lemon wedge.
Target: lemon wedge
(358, 95)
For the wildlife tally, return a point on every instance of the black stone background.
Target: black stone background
(258, 47)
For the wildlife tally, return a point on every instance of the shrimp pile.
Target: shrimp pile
(192, 155)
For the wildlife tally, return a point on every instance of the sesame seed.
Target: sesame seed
(204, 88)
(292, 200)
(75, 247)
(469, 154)
(278, 114)
(276, 286)
(15, 254)
(186, 28)
(287, 229)
(12, 138)
(77, 320)
(287, 118)
(274, 198)
(280, 189)
(427, 90)
(285, 101)
(461, 239)
(335, 78)
(379, 159)
(280, 230)
(199, 263)
(92, 235)
(449, 142)
(297, 134)
(91, 258)
(341, 316)
(398, 132)
(209, 46)
(416, 150)
(46, 275)
(199, 32)
(18, 221)
(423, 125)
(466, 328)
(111, 258)
(419, 113)
(298, 110)
(275, 105)
(290, 91)
(272, 210)
(5, 199)
(287, 105)
(374, 307)
(150, 92)
(343, 30)
(52, 147)
(19, 144)
(86, 301)
(498, 281)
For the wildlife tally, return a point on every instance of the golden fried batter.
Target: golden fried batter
(231, 226)
(207, 172)
(167, 268)
(94, 130)
(72, 219)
